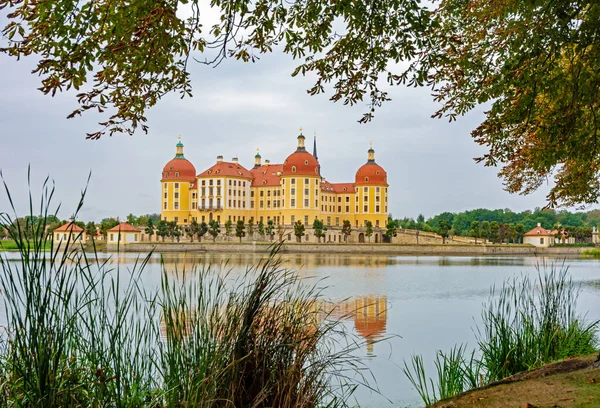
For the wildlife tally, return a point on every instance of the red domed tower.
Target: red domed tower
(178, 184)
(372, 187)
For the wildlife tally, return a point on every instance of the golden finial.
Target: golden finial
(179, 138)
(371, 144)
(257, 150)
(300, 130)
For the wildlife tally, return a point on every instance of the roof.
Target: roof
(179, 169)
(371, 173)
(124, 227)
(267, 175)
(337, 188)
(226, 169)
(539, 231)
(69, 226)
(301, 163)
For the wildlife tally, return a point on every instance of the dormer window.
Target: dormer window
(293, 169)
(176, 174)
(366, 179)
(377, 172)
(305, 161)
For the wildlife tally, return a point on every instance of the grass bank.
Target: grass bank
(525, 325)
(12, 245)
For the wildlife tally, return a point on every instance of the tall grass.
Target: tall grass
(525, 324)
(80, 332)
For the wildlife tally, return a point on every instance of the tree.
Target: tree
(346, 229)
(298, 230)
(494, 231)
(132, 219)
(162, 229)
(319, 228)
(475, 230)
(172, 226)
(228, 229)
(261, 228)
(251, 227)
(90, 230)
(106, 224)
(149, 230)
(391, 229)
(485, 230)
(113, 42)
(420, 218)
(270, 229)
(202, 229)
(240, 230)
(444, 229)
(214, 229)
(369, 230)
(520, 231)
(540, 79)
(192, 229)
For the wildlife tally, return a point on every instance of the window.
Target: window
(268, 203)
(218, 182)
(366, 208)
(306, 191)
(366, 189)
(357, 208)
(193, 206)
(176, 185)
(112, 237)
(293, 181)
(347, 208)
(176, 205)
(193, 195)
(251, 204)
(365, 198)
(176, 219)
(306, 181)
(203, 190)
(293, 169)
(210, 182)
(268, 193)
(316, 203)
(229, 182)
(218, 203)
(377, 189)
(339, 208)
(203, 182)
(542, 241)
(306, 203)
(376, 208)
(165, 195)
(377, 223)
(328, 221)
(293, 219)
(337, 221)
(366, 179)
(306, 220)
(377, 198)
(185, 220)
(176, 174)
(176, 195)
(234, 183)
(293, 191)
(262, 204)
(165, 205)
(252, 194)
(262, 193)
(218, 190)
(339, 199)
(293, 202)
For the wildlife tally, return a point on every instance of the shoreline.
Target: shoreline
(343, 248)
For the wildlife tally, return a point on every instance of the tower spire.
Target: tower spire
(179, 149)
(257, 159)
(371, 158)
(315, 147)
(301, 139)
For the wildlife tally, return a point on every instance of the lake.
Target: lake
(417, 304)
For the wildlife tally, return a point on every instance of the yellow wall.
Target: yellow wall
(176, 197)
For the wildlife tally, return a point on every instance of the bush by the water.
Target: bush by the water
(81, 332)
(525, 324)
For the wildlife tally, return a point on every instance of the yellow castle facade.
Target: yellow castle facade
(283, 193)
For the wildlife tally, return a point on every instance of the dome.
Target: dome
(371, 173)
(301, 163)
(179, 169)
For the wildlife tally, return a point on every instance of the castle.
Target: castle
(283, 193)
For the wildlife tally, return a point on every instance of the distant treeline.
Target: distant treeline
(505, 225)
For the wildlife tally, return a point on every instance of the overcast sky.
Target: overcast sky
(236, 108)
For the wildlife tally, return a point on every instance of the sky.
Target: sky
(236, 108)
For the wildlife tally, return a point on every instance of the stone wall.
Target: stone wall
(388, 249)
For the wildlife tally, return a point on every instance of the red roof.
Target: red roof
(539, 231)
(71, 227)
(371, 174)
(179, 169)
(267, 175)
(226, 169)
(302, 162)
(343, 188)
(124, 227)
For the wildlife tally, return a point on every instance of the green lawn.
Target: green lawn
(10, 245)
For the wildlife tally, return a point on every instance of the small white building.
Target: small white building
(69, 232)
(124, 234)
(540, 237)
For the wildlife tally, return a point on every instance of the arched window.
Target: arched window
(305, 161)
(366, 179)
(293, 169)
(176, 174)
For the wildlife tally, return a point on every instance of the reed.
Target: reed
(81, 332)
(525, 324)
